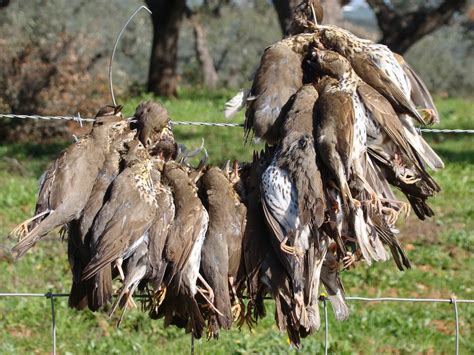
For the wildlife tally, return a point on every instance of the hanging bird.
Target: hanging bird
(419, 93)
(256, 237)
(386, 136)
(93, 293)
(278, 77)
(183, 252)
(306, 16)
(333, 285)
(158, 234)
(67, 184)
(136, 269)
(222, 249)
(118, 230)
(376, 65)
(153, 126)
(292, 193)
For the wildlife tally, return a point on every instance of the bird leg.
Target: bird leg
(22, 230)
(288, 248)
(428, 115)
(118, 265)
(208, 290)
(237, 308)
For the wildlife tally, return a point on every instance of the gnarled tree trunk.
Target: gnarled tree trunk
(401, 31)
(208, 70)
(167, 18)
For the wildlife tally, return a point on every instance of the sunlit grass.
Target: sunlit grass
(441, 250)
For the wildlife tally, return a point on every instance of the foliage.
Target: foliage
(440, 249)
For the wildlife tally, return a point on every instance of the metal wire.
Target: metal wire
(111, 87)
(79, 119)
(50, 118)
(453, 301)
(449, 131)
(53, 321)
(456, 318)
(326, 327)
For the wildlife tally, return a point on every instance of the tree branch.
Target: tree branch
(401, 31)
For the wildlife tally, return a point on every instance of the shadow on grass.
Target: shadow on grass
(450, 156)
(32, 150)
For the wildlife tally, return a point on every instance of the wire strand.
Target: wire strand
(79, 119)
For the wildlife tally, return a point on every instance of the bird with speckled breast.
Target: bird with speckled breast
(67, 184)
(222, 249)
(118, 230)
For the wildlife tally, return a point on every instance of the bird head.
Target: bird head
(307, 15)
(333, 39)
(109, 121)
(136, 152)
(110, 110)
(331, 63)
(151, 118)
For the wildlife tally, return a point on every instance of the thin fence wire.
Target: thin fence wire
(80, 120)
(51, 296)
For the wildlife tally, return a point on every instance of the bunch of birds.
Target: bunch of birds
(208, 245)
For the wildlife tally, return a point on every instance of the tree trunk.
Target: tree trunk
(332, 12)
(401, 31)
(167, 18)
(284, 9)
(208, 70)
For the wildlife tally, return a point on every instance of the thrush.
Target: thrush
(222, 249)
(419, 93)
(341, 143)
(154, 131)
(118, 229)
(332, 283)
(278, 77)
(158, 234)
(306, 16)
(386, 136)
(78, 238)
(135, 271)
(292, 193)
(183, 251)
(68, 183)
(376, 65)
(256, 237)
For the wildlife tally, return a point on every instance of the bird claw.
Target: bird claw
(357, 204)
(409, 180)
(428, 115)
(349, 260)
(236, 311)
(22, 230)
(288, 249)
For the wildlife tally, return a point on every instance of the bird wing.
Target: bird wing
(420, 94)
(158, 234)
(365, 66)
(117, 224)
(279, 202)
(183, 234)
(385, 116)
(278, 77)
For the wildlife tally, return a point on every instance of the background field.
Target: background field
(441, 250)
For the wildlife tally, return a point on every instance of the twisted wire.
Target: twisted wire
(79, 120)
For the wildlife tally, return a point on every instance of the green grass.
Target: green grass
(440, 249)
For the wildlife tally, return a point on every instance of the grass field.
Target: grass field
(441, 250)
